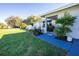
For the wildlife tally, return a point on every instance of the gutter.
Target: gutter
(58, 9)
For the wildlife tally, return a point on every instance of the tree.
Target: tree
(3, 26)
(33, 19)
(14, 21)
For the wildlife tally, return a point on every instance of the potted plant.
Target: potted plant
(66, 21)
(37, 32)
(50, 27)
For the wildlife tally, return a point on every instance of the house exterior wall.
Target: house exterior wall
(74, 11)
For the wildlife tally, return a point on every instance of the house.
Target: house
(42, 25)
(73, 9)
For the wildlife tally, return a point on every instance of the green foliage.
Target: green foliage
(14, 21)
(37, 32)
(33, 19)
(62, 31)
(3, 26)
(23, 26)
(66, 21)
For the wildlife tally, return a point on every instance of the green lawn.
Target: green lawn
(9, 31)
(24, 44)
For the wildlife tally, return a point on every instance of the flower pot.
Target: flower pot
(64, 38)
(69, 39)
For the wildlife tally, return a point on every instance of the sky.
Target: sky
(24, 10)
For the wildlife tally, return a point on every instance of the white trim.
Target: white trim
(64, 7)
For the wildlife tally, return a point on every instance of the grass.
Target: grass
(9, 31)
(25, 44)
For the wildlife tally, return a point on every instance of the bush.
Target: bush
(3, 26)
(23, 26)
(37, 32)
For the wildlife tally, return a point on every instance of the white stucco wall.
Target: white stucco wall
(75, 12)
(75, 29)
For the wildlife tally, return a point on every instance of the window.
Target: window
(53, 17)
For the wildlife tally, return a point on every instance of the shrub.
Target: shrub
(23, 26)
(3, 26)
(37, 31)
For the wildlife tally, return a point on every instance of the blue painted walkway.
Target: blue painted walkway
(74, 51)
(72, 48)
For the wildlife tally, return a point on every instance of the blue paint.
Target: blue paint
(74, 51)
(55, 41)
(72, 48)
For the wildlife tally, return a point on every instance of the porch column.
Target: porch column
(45, 28)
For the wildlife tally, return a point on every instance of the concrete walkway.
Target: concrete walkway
(72, 48)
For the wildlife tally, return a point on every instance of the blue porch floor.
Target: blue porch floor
(72, 48)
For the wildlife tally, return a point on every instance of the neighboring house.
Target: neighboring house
(73, 9)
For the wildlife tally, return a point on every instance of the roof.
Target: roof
(61, 8)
